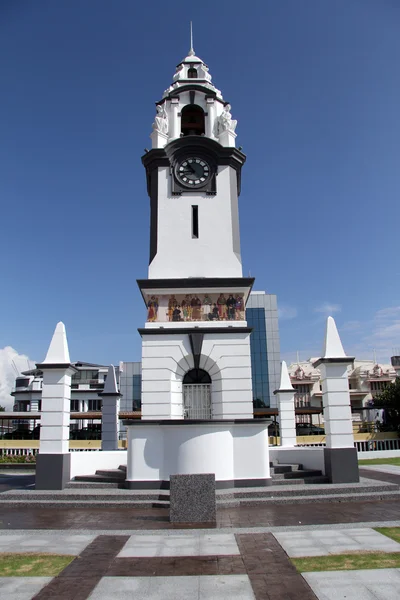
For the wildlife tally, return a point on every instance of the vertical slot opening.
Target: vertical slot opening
(195, 222)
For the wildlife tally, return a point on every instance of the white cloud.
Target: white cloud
(287, 312)
(351, 326)
(328, 308)
(388, 313)
(8, 356)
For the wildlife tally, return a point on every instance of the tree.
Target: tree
(389, 400)
(2, 408)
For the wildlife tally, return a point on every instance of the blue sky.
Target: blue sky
(315, 87)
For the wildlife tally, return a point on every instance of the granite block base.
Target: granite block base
(192, 498)
(341, 465)
(52, 471)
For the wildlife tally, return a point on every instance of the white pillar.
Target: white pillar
(341, 464)
(53, 461)
(285, 400)
(210, 119)
(109, 412)
(175, 120)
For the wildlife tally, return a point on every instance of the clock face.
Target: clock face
(193, 172)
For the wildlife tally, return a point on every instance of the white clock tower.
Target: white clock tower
(196, 343)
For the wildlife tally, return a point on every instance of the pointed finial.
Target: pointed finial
(298, 360)
(191, 51)
(58, 352)
(333, 346)
(110, 386)
(374, 356)
(285, 383)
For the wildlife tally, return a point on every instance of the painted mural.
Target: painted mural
(196, 307)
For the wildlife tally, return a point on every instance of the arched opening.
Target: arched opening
(197, 395)
(192, 73)
(192, 120)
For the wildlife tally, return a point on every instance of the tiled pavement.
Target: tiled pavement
(372, 584)
(152, 568)
(332, 541)
(200, 564)
(247, 563)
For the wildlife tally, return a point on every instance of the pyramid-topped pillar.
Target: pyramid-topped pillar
(53, 461)
(341, 464)
(285, 401)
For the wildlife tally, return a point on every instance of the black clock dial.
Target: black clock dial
(193, 172)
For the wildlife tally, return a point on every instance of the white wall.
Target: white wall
(87, 463)
(166, 359)
(226, 449)
(211, 254)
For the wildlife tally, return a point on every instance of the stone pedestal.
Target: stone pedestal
(192, 498)
(158, 139)
(227, 138)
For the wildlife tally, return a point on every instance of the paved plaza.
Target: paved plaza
(137, 553)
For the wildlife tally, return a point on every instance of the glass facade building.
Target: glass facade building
(130, 385)
(262, 316)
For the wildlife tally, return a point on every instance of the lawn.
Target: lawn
(348, 562)
(380, 461)
(32, 564)
(392, 532)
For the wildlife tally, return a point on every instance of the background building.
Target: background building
(262, 316)
(366, 380)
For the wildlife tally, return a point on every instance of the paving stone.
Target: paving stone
(21, 588)
(369, 584)
(312, 543)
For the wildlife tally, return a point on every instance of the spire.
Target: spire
(191, 51)
(58, 350)
(285, 384)
(332, 346)
(110, 386)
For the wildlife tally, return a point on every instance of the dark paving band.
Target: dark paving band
(80, 578)
(271, 573)
(321, 513)
(177, 566)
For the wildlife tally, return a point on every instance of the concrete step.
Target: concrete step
(93, 485)
(313, 499)
(300, 474)
(126, 502)
(291, 490)
(62, 503)
(285, 467)
(111, 473)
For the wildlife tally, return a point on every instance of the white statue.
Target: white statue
(225, 121)
(161, 121)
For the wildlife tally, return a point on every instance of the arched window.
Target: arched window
(196, 376)
(192, 120)
(192, 73)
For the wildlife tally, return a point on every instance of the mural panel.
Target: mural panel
(195, 307)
